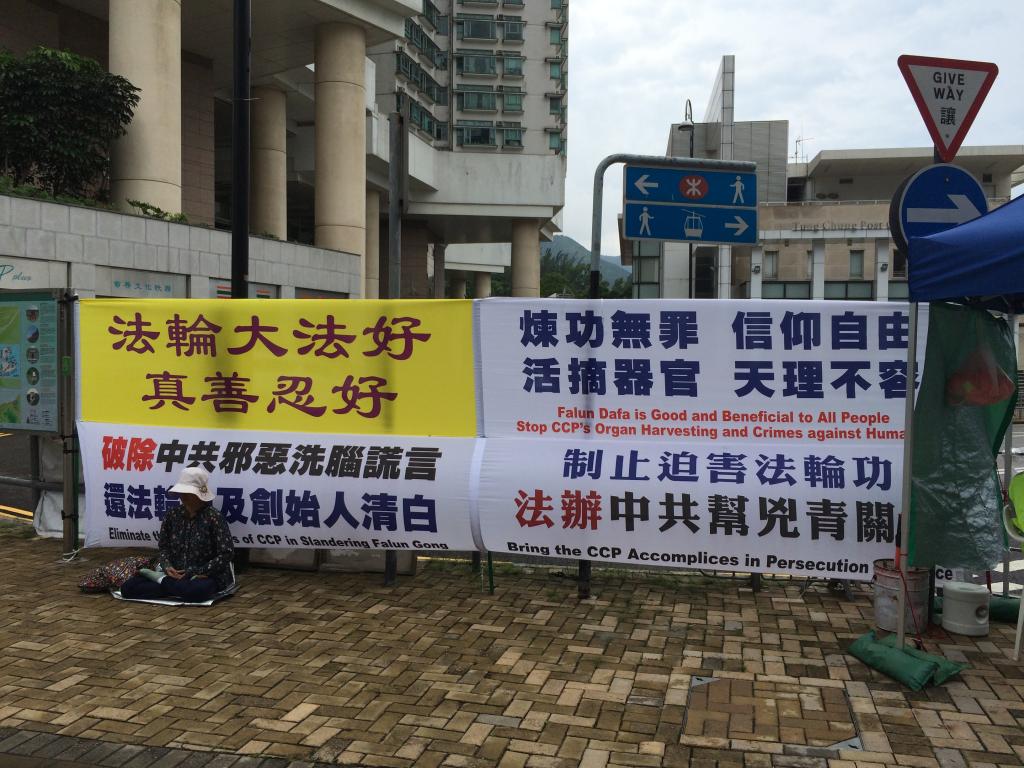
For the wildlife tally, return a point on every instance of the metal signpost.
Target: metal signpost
(948, 93)
(657, 170)
(690, 203)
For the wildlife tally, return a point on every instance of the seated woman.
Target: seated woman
(196, 548)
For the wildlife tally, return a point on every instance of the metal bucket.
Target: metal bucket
(887, 595)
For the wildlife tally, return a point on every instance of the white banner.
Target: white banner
(282, 489)
(762, 371)
(800, 509)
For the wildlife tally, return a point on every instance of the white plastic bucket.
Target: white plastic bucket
(887, 594)
(965, 609)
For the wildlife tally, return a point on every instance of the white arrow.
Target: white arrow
(964, 211)
(644, 185)
(740, 226)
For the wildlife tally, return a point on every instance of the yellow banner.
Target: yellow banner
(341, 366)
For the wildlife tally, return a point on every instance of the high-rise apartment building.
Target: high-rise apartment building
(481, 75)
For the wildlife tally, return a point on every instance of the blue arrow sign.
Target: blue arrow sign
(690, 185)
(690, 205)
(935, 199)
(666, 221)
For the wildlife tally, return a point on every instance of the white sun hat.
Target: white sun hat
(194, 480)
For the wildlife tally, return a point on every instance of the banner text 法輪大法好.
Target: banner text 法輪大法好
(357, 367)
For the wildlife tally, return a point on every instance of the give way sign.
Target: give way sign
(948, 93)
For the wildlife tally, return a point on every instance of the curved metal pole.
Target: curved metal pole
(654, 161)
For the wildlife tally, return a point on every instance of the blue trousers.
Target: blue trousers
(189, 590)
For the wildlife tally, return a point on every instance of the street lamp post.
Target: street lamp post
(688, 126)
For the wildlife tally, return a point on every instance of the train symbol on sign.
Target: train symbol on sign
(693, 187)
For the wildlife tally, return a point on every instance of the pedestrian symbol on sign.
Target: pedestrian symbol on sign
(738, 186)
(645, 222)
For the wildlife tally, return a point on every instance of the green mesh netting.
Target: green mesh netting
(965, 403)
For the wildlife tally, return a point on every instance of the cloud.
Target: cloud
(828, 68)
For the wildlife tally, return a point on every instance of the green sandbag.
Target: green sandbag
(913, 672)
(945, 668)
(1003, 609)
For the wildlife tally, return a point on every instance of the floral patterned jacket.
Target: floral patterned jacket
(201, 546)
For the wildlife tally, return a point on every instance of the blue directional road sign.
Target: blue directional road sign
(690, 205)
(934, 199)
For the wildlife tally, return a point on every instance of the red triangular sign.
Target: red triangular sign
(948, 93)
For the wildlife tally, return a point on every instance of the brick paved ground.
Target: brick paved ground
(338, 669)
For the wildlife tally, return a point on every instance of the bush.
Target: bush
(59, 113)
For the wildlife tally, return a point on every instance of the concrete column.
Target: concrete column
(481, 285)
(145, 48)
(525, 258)
(439, 253)
(340, 204)
(458, 285)
(756, 270)
(882, 267)
(269, 203)
(371, 259)
(724, 272)
(675, 270)
(287, 292)
(200, 287)
(818, 269)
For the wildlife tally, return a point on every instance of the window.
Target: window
(476, 28)
(512, 101)
(898, 290)
(434, 16)
(856, 264)
(555, 105)
(555, 141)
(556, 70)
(476, 64)
(794, 290)
(513, 31)
(770, 265)
(419, 77)
(475, 133)
(556, 3)
(513, 66)
(512, 136)
(852, 291)
(646, 269)
(480, 101)
(513, 3)
(899, 264)
(555, 35)
(421, 41)
(810, 264)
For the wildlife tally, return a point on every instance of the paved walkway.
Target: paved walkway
(657, 670)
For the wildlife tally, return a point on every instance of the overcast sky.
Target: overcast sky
(829, 67)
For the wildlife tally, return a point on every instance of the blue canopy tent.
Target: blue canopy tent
(981, 264)
(981, 261)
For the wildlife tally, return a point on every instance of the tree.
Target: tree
(59, 114)
(564, 275)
